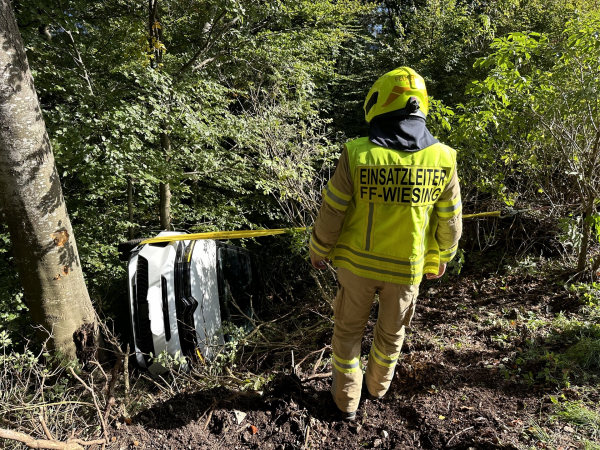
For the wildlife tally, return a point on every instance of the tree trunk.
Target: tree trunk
(155, 37)
(585, 239)
(165, 206)
(32, 201)
(165, 188)
(130, 206)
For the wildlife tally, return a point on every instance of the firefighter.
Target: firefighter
(390, 214)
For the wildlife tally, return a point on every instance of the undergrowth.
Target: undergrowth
(559, 352)
(566, 349)
(578, 414)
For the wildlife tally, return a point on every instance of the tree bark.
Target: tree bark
(165, 206)
(32, 201)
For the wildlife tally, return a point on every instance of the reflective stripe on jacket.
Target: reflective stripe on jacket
(391, 218)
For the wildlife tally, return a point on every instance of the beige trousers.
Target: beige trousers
(351, 310)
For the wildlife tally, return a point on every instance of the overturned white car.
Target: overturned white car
(179, 293)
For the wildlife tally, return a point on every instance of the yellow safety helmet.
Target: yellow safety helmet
(400, 92)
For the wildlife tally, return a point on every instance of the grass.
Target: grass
(586, 353)
(588, 445)
(578, 414)
(562, 350)
(538, 432)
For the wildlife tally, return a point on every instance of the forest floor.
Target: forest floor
(490, 361)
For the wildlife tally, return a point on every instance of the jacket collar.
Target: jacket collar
(406, 133)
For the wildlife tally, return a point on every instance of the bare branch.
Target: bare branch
(100, 416)
(45, 427)
(204, 63)
(208, 45)
(80, 62)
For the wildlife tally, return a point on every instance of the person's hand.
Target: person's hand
(441, 272)
(317, 263)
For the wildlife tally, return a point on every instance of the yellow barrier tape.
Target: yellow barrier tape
(221, 235)
(485, 214)
(258, 233)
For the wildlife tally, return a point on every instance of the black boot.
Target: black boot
(347, 416)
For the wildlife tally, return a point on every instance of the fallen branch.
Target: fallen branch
(122, 362)
(169, 391)
(86, 443)
(31, 442)
(321, 315)
(307, 435)
(45, 427)
(316, 366)
(96, 363)
(256, 320)
(322, 350)
(41, 405)
(460, 432)
(110, 389)
(100, 415)
(318, 375)
(126, 376)
(210, 413)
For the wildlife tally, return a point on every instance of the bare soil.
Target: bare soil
(456, 387)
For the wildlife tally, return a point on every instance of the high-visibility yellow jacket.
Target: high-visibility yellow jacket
(390, 215)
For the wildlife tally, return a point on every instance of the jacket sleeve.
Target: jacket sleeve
(336, 198)
(449, 211)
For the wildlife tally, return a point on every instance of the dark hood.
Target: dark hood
(407, 133)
